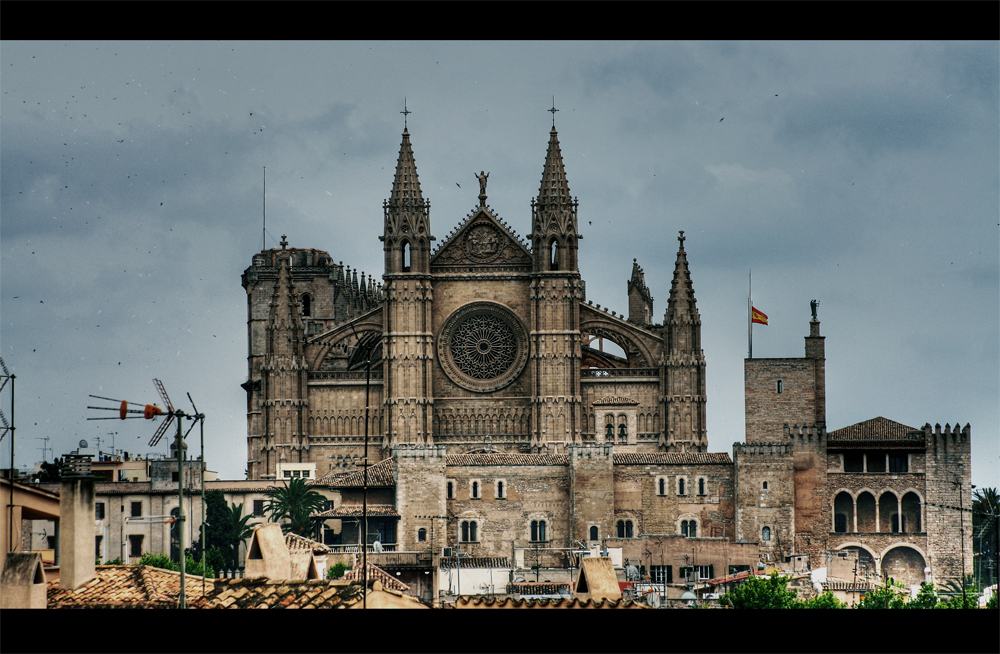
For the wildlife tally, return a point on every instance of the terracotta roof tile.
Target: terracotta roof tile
(128, 586)
(381, 474)
(296, 542)
(550, 603)
(668, 458)
(389, 581)
(876, 429)
(264, 593)
(503, 459)
(356, 511)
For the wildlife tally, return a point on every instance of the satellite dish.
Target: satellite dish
(83, 444)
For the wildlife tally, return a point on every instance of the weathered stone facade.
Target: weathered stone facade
(479, 368)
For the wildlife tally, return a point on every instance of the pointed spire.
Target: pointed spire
(681, 306)
(640, 300)
(554, 187)
(406, 185)
(285, 320)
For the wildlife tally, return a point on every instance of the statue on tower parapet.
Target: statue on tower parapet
(482, 177)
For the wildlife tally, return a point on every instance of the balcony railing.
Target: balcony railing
(605, 373)
(346, 549)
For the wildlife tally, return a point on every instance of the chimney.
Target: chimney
(22, 585)
(76, 523)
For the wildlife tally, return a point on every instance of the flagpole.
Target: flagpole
(750, 315)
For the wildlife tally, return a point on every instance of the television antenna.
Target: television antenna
(149, 412)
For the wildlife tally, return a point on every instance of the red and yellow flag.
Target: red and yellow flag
(757, 316)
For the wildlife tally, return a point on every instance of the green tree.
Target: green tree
(762, 593)
(337, 571)
(295, 502)
(237, 528)
(882, 597)
(824, 601)
(926, 599)
(956, 597)
(50, 472)
(986, 532)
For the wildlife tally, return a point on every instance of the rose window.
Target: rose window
(483, 347)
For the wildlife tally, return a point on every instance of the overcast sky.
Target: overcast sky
(863, 175)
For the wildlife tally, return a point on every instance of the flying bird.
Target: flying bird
(458, 185)
(722, 119)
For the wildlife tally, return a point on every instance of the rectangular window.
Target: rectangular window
(135, 545)
(97, 546)
(876, 461)
(136, 509)
(99, 510)
(696, 572)
(854, 462)
(661, 574)
(258, 508)
(899, 463)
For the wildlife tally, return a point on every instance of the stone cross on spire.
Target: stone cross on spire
(284, 242)
(405, 113)
(681, 238)
(553, 110)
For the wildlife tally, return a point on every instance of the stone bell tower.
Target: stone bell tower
(408, 297)
(683, 367)
(556, 293)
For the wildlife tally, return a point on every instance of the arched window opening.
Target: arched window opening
(421, 535)
(451, 490)
(553, 256)
(843, 513)
(910, 507)
(407, 257)
(306, 305)
(624, 529)
(475, 490)
(866, 513)
(538, 531)
(680, 486)
(663, 486)
(781, 386)
(765, 533)
(701, 486)
(622, 432)
(594, 535)
(500, 494)
(469, 531)
(610, 433)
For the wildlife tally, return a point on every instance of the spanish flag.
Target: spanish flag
(757, 316)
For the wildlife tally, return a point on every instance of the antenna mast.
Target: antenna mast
(263, 209)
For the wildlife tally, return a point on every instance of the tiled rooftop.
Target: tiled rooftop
(554, 603)
(261, 593)
(875, 429)
(128, 587)
(381, 474)
(502, 459)
(475, 562)
(632, 459)
(356, 511)
(296, 542)
(389, 581)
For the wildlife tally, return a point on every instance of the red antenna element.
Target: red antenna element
(147, 411)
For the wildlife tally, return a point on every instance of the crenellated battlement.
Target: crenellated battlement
(762, 449)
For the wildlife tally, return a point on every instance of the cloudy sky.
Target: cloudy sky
(863, 175)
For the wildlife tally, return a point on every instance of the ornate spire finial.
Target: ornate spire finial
(681, 238)
(405, 113)
(284, 242)
(553, 110)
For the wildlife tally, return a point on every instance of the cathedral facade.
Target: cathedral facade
(476, 381)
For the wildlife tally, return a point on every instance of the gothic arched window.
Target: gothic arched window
(306, 305)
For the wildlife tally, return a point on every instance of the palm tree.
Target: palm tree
(295, 502)
(238, 529)
(985, 525)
